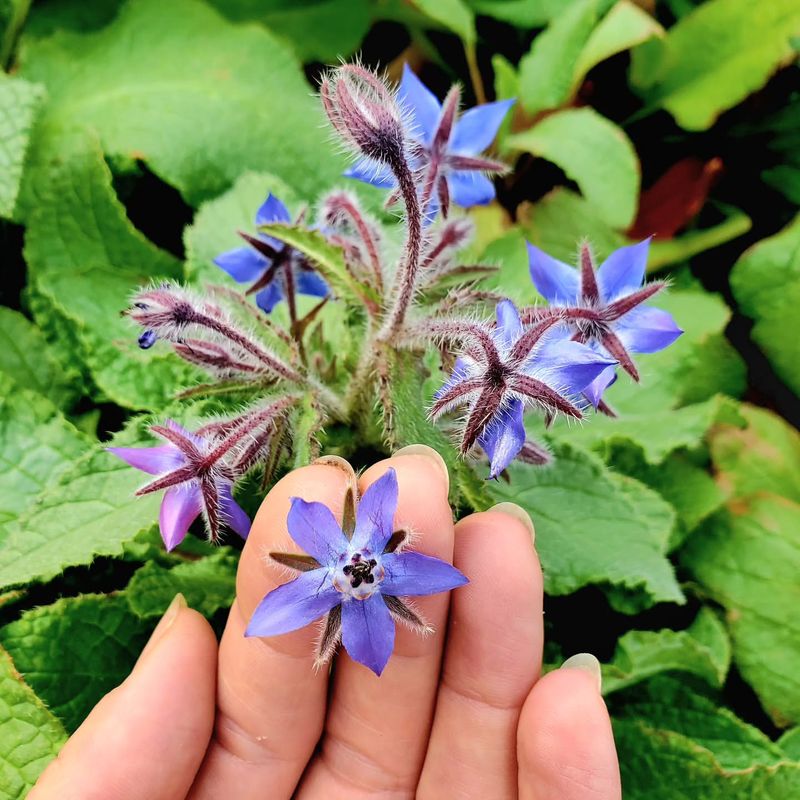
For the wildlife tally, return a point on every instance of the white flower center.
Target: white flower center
(358, 574)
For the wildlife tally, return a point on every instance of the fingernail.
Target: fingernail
(428, 452)
(519, 513)
(588, 663)
(340, 463)
(165, 623)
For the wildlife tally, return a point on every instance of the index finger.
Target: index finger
(270, 698)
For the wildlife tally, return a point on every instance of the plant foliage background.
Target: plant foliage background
(136, 137)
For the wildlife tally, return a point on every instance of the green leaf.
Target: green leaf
(208, 584)
(747, 559)
(93, 239)
(455, 15)
(318, 30)
(20, 102)
(625, 26)
(236, 96)
(39, 446)
(546, 71)
(25, 357)
(702, 649)
(766, 283)
(594, 526)
(90, 511)
(79, 16)
(678, 745)
(76, 650)
(328, 261)
(715, 56)
(12, 18)
(30, 736)
(521, 13)
(593, 152)
(790, 743)
(763, 457)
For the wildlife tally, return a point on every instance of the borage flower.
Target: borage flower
(276, 270)
(507, 368)
(198, 481)
(355, 574)
(446, 148)
(603, 307)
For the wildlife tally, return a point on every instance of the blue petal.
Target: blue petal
(470, 188)
(294, 605)
(369, 172)
(243, 264)
(269, 297)
(623, 271)
(569, 367)
(272, 210)
(420, 101)
(153, 460)
(375, 514)
(308, 282)
(234, 516)
(647, 330)
(180, 507)
(554, 280)
(594, 391)
(504, 438)
(509, 325)
(315, 529)
(476, 128)
(458, 374)
(414, 574)
(368, 632)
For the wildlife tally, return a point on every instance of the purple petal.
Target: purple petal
(554, 280)
(569, 367)
(418, 99)
(269, 297)
(315, 529)
(476, 128)
(243, 264)
(413, 574)
(272, 210)
(623, 271)
(648, 330)
(504, 438)
(594, 391)
(368, 632)
(198, 441)
(294, 605)
(369, 172)
(375, 514)
(509, 325)
(154, 460)
(470, 188)
(458, 374)
(179, 509)
(308, 282)
(233, 514)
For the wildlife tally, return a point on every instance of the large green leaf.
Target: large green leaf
(91, 511)
(85, 259)
(521, 13)
(25, 356)
(593, 152)
(766, 283)
(39, 445)
(748, 560)
(198, 98)
(30, 736)
(19, 104)
(678, 745)
(763, 457)
(702, 649)
(594, 526)
(76, 650)
(455, 15)
(715, 56)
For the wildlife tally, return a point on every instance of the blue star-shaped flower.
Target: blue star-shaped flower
(447, 147)
(269, 264)
(354, 574)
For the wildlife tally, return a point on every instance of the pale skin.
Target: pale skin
(462, 713)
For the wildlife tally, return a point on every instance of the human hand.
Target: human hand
(461, 713)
